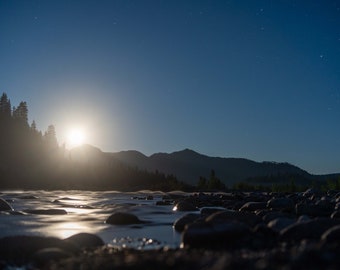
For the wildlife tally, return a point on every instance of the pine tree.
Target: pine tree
(5, 105)
(50, 137)
(21, 112)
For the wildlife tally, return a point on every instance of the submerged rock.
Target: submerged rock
(46, 211)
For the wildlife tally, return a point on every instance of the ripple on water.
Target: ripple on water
(87, 212)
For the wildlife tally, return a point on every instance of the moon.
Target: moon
(76, 137)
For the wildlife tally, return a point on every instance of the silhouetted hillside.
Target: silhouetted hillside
(189, 165)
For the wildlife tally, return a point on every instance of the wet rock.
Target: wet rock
(85, 240)
(120, 218)
(285, 204)
(252, 206)
(28, 197)
(5, 206)
(184, 206)
(45, 211)
(187, 219)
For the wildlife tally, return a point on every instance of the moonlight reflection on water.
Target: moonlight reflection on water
(87, 212)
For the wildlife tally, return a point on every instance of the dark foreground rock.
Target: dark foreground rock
(301, 257)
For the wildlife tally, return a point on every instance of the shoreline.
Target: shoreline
(218, 231)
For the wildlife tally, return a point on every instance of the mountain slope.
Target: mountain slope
(189, 165)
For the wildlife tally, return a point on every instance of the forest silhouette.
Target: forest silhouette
(30, 159)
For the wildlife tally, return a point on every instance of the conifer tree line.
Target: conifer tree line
(20, 114)
(32, 160)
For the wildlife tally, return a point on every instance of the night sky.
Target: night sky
(252, 79)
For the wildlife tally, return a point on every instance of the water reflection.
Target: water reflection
(87, 212)
(67, 229)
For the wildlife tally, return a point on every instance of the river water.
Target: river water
(87, 212)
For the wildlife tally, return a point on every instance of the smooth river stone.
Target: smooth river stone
(121, 218)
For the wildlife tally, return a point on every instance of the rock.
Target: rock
(332, 235)
(253, 206)
(120, 218)
(279, 224)
(184, 206)
(274, 215)
(307, 230)
(314, 210)
(303, 218)
(187, 219)
(4, 206)
(85, 240)
(216, 235)
(29, 197)
(284, 204)
(21, 248)
(312, 192)
(43, 256)
(335, 214)
(45, 211)
(207, 211)
(229, 215)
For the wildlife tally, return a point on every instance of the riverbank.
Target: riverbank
(238, 230)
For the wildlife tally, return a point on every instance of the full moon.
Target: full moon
(75, 137)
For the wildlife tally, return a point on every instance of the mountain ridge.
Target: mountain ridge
(188, 166)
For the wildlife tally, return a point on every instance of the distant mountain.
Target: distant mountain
(188, 165)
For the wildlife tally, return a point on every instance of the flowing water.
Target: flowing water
(87, 212)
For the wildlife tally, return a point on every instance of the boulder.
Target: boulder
(216, 235)
(184, 206)
(332, 235)
(43, 256)
(85, 240)
(285, 204)
(187, 219)
(236, 216)
(307, 230)
(279, 224)
(20, 249)
(121, 218)
(253, 206)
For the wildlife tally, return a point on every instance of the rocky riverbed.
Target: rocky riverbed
(236, 230)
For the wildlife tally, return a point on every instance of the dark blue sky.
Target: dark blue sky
(253, 79)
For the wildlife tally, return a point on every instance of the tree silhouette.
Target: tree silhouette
(21, 112)
(5, 106)
(50, 137)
